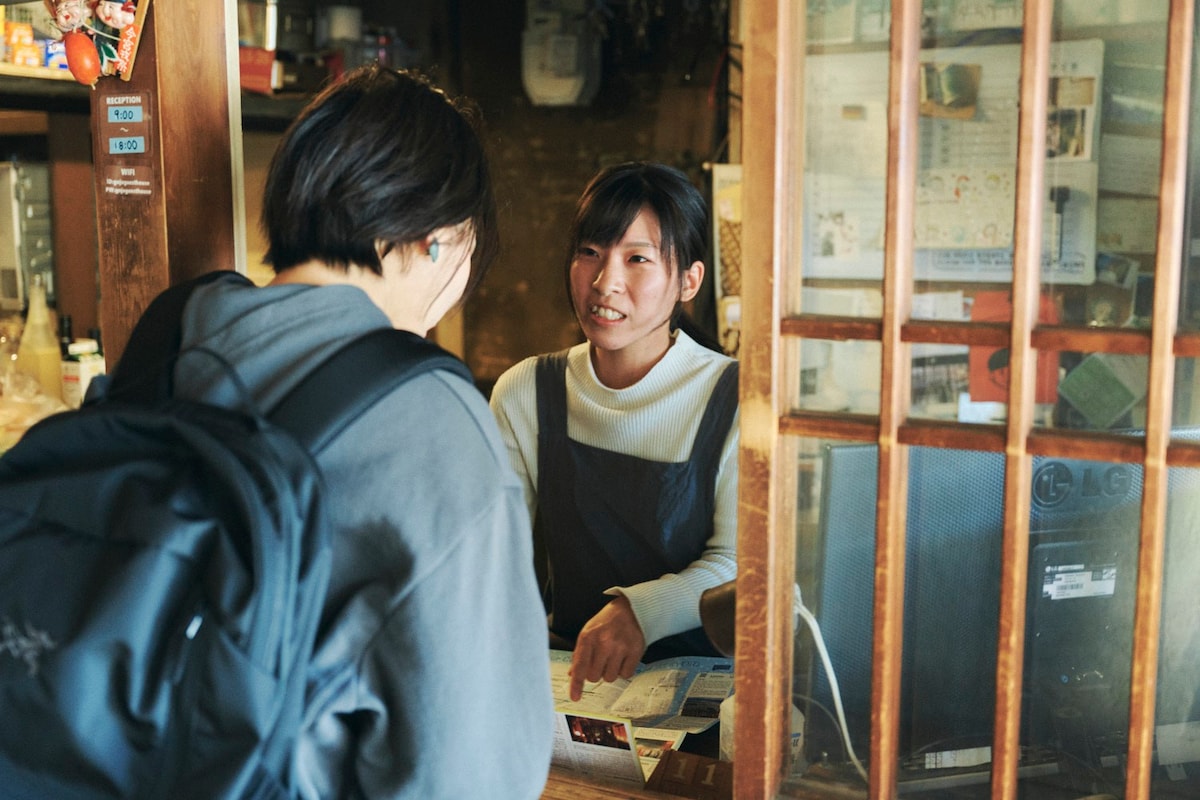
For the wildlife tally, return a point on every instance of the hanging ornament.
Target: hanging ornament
(116, 14)
(69, 15)
(82, 57)
(112, 28)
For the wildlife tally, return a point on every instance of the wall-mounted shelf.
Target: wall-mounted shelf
(42, 73)
(41, 89)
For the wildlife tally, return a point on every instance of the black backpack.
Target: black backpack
(163, 566)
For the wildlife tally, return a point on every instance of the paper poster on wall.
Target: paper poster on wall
(727, 249)
(989, 366)
(965, 208)
(831, 21)
(874, 20)
(966, 181)
(1068, 232)
(846, 113)
(1110, 12)
(971, 15)
(1071, 117)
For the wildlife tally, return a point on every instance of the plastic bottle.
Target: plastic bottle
(38, 354)
(725, 735)
(82, 364)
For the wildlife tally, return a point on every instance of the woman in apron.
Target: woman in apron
(627, 443)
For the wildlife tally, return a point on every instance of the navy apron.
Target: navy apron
(608, 519)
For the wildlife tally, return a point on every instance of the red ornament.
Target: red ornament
(82, 58)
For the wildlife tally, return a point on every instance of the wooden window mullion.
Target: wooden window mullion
(1169, 258)
(894, 395)
(1027, 259)
(772, 62)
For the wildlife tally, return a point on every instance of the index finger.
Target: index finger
(580, 666)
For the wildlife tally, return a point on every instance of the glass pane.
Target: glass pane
(1186, 399)
(1177, 731)
(952, 579)
(839, 376)
(967, 151)
(1103, 144)
(835, 573)
(845, 139)
(969, 384)
(1081, 588)
(955, 523)
(941, 382)
(1189, 301)
(1103, 151)
(1186, 403)
(1083, 557)
(1081, 579)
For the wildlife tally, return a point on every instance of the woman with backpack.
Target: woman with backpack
(379, 212)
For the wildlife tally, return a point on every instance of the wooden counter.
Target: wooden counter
(565, 786)
(677, 774)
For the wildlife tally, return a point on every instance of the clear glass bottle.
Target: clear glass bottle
(38, 353)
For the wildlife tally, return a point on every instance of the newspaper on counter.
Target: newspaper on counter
(617, 732)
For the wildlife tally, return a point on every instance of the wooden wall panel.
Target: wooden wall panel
(74, 219)
(185, 225)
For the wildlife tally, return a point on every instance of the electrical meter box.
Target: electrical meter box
(26, 247)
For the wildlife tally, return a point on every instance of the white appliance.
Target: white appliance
(560, 53)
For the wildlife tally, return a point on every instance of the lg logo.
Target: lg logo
(1054, 482)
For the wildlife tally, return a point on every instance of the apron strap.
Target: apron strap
(717, 420)
(551, 381)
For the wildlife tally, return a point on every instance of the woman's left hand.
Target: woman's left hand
(610, 646)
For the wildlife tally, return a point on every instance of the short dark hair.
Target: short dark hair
(379, 155)
(611, 201)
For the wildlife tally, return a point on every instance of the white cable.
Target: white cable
(833, 686)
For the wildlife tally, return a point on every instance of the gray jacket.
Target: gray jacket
(431, 676)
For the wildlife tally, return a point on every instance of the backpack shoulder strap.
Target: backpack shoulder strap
(354, 379)
(144, 373)
(320, 406)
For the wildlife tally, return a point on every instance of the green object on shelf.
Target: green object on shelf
(1105, 386)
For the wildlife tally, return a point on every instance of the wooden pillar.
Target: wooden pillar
(165, 202)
